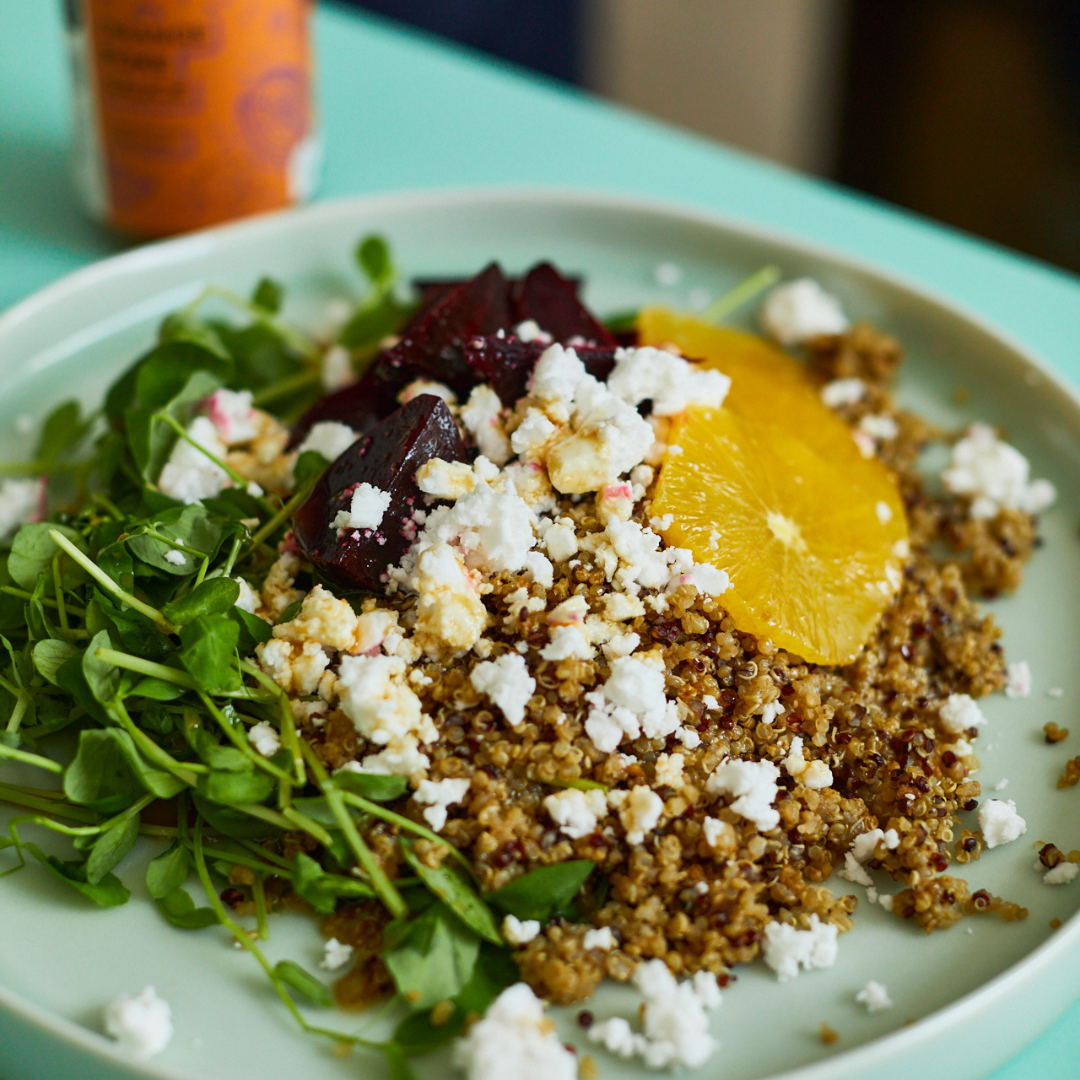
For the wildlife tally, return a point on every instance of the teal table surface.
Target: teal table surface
(399, 111)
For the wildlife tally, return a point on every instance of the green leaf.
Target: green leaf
(191, 526)
(397, 1067)
(310, 465)
(135, 632)
(268, 295)
(49, 655)
(215, 596)
(253, 630)
(542, 892)
(182, 326)
(372, 321)
(32, 553)
(234, 823)
(157, 690)
(109, 774)
(110, 848)
(295, 976)
(449, 884)
(236, 788)
(495, 970)
(102, 677)
(262, 355)
(290, 612)
(373, 786)
(69, 677)
(322, 890)
(180, 910)
(168, 871)
(431, 957)
(63, 428)
(373, 257)
(209, 653)
(108, 892)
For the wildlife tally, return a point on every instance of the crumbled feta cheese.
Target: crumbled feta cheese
(560, 541)
(615, 501)
(874, 996)
(427, 386)
(618, 607)
(669, 770)
(493, 528)
(437, 795)
(841, 392)
(853, 871)
(1018, 682)
(707, 579)
(639, 811)
(189, 475)
(667, 274)
(787, 948)
(621, 645)
(335, 369)
(602, 939)
(884, 512)
(570, 612)
(567, 642)
(799, 310)
(769, 712)
(539, 566)
(1000, 823)
(753, 784)
(445, 479)
(481, 415)
(529, 330)
(336, 954)
(959, 712)
(638, 688)
(994, 475)
(20, 501)
(508, 684)
(328, 438)
(264, 737)
(141, 1023)
(1061, 874)
(1002, 784)
(532, 435)
(879, 427)
(717, 833)
(863, 846)
(557, 374)
(576, 812)
(295, 666)
(668, 381)
(812, 774)
(449, 609)
(177, 558)
(518, 931)
(248, 600)
(367, 507)
(231, 413)
(515, 1039)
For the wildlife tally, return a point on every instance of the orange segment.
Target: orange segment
(773, 489)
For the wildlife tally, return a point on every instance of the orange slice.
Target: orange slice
(773, 489)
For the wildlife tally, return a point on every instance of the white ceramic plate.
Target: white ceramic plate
(965, 1000)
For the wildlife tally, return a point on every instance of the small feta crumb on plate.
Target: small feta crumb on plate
(141, 1023)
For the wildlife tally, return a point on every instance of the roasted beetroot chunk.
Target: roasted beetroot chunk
(387, 458)
(551, 300)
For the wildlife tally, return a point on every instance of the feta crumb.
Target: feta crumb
(508, 684)
(20, 501)
(717, 833)
(874, 996)
(367, 507)
(639, 811)
(481, 415)
(667, 274)
(336, 955)
(753, 783)
(799, 310)
(1018, 682)
(619, 607)
(248, 600)
(328, 438)
(812, 774)
(863, 846)
(1000, 823)
(1061, 874)
(439, 795)
(189, 475)
(445, 479)
(515, 1039)
(959, 712)
(532, 435)
(884, 512)
(560, 541)
(336, 370)
(841, 392)
(427, 386)
(879, 427)
(576, 812)
(853, 871)
(141, 1023)
(231, 413)
(994, 475)
(668, 381)
(1002, 784)
(1054, 691)
(603, 939)
(264, 738)
(529, 330)
(787, 948)
(518, 931)
(567, 642)
(177, 558)
(669, 770)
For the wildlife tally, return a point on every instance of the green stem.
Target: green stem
(270, 856)
(171, 675)
(300, 342)
(289, 735)
(58, 585)
(48, 601)
(743, 293)
(312, 828)
(258, 892)
(11, 754)
(295, 502)
(241, 743)
(109, 585)
(30, 799)
(580, 784)
(184, 771)
(86, 830)
(284, 387)
(168, 418)
(102, 500)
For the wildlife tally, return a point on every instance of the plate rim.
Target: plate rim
(176, 250)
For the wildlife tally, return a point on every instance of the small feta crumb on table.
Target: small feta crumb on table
(1061, 874)
(1054, 691)
(336, 955)
(787, 949)
(959, 712)
(667, 274)
(1018, 680)
(518, 931)
(141, 1023)
(1000, 823)
(799, 310)
(874, 996)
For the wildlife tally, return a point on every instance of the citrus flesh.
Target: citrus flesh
(773, 489)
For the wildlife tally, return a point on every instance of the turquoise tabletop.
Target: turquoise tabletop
(401, 112)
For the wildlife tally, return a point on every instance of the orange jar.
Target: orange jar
(191, 112)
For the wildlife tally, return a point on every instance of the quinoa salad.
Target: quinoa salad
(522, 648)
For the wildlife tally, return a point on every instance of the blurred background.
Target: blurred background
(967, 111)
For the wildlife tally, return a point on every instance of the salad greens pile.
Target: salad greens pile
(124, 675)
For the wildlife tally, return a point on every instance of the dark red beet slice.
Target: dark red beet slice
(544, 295)
(504, 362)
(387, 457)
